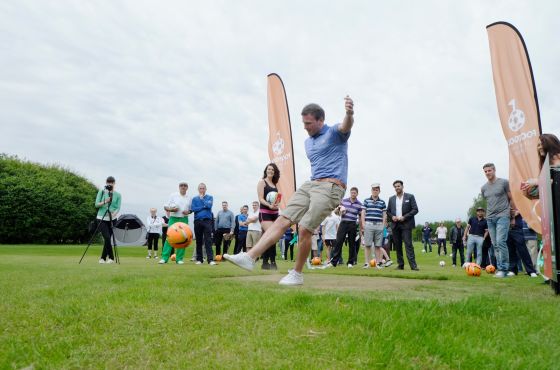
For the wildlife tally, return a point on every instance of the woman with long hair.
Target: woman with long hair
(547, 144)
(268, 212)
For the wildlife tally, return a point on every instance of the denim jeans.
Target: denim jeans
(427, 244)
(499, 229)
(472, 242)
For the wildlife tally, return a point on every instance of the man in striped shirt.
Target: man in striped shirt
(350, 209)
(374, 219)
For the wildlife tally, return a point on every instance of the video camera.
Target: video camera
(109, 187)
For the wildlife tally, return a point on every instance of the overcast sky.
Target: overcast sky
(156, 92)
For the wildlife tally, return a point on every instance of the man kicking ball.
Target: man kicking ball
(327, 150)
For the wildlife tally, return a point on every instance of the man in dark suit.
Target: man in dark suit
(401, 210)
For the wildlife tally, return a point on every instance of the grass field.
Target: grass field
(56, 314)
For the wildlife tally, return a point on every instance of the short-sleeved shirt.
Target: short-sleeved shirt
(496, 194)
(182, 202)
(374, 209)
(330, 225)
(328, 153)
(353, 209)
(478, 227)
(441, 232)
(254, 226)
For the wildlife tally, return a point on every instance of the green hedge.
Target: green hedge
(43, 204)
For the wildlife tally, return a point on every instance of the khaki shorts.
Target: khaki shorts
(312, 203)
(373, 234)
(252, 238)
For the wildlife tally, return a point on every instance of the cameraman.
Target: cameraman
(107, 198)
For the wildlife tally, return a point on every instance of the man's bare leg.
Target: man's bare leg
(272, 235)
(304, 244)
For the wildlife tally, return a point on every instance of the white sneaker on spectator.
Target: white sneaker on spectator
(101, 260)
(388, 263)
(350, 265)
(156, 257)
(161, 262)
(366, 266)
(148, 256)
(212, 263)
(110, 261)
(511, 273)
(180, 262)
(293, 278)
(533, 274)
(198, 263)
(241, 260)
(500, 274)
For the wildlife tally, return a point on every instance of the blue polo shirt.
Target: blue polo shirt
(202, 207)
(328, 153)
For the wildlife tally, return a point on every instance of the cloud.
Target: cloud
(155, 93)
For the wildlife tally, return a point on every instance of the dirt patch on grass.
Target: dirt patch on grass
(343, 282)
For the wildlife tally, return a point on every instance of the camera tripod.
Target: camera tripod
(111, 233)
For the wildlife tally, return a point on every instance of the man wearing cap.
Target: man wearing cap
(179, 208)
(456, 240)
(350, 216)
(475, 232)
(374, 219)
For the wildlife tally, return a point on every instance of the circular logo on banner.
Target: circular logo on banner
(516, 118)
(278, 145)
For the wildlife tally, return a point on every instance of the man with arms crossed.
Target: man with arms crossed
(499, 202)
(327, 150)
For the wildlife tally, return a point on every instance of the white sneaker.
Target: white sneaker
(511, 273)
(197, 263)
(155, 257)
(379, 267)
(212, 263)
(500, 274)
(350, 265)
(161, 262)
(241, 260)
(388, 263)
(533, 274)
(180, 262)
(110, 261)
(193, 259)
(293, 278)
(148, 256)
(101, 261)
(329, 265)
(366, 266)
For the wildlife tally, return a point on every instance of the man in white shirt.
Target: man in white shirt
(441, 232)
(254, 232)
(154, 224)
(179, 209)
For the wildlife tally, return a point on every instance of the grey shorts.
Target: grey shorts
(312, 203)
(373, 234)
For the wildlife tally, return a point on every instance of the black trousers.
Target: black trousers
(518, 250)
(240, 243)
(345, 228)
(487, 257)
(458, 247)
(203, 234)
(269, 254)
(153, 239)
(107, 231)
(399, 235)
(290, 247)
(219, 239)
